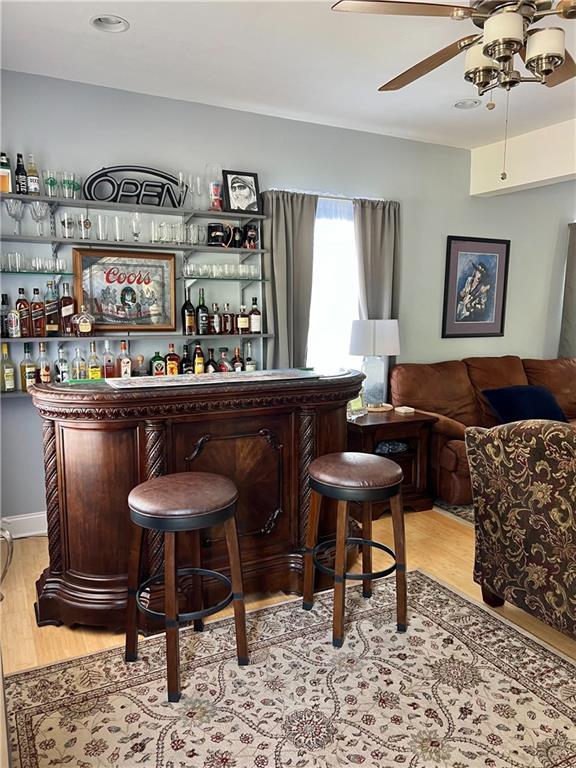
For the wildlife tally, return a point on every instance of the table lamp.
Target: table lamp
(375, 340)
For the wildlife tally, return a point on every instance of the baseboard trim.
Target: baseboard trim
(21, 526)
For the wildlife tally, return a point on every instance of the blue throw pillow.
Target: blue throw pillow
(524, 402)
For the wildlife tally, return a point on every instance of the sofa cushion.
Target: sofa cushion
(524, 402)
(493, 373)
(559, 376)
(438, 387)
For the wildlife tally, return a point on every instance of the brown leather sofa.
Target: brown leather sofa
(452, 391)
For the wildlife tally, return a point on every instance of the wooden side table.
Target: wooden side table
(366, 432)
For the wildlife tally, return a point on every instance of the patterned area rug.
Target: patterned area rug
(461, 511)
(461, 689)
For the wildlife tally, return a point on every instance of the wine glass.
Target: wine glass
(197, 191)
(15, 210)
(182, 189)
(136, 224)
(39, 211)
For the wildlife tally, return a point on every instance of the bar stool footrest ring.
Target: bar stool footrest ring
(191, 615)
(355, 576)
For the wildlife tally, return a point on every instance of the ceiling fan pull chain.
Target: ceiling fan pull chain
(504, 175)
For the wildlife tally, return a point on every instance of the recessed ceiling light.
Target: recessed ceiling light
(468, 103)
(108, 22)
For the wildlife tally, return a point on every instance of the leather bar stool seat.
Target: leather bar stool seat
(186, 501)
(358, 477)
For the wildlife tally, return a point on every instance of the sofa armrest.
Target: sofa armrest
(450, 428)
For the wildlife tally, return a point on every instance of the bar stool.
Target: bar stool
(366, 478)
(187, 501)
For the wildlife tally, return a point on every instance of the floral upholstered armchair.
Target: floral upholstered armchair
(524, 488)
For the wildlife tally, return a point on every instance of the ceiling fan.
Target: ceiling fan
(506, 31)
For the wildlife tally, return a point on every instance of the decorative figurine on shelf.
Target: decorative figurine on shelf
(250, 236)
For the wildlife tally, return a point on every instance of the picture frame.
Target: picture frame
(241, 192)
(475, 287)
(126, 290)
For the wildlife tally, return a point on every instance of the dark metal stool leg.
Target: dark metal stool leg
(171, 609)
(197, 594)
(397, 509)
(237, 590)
(134, 576)
(311, 538)
(339, 577)
(366, 548)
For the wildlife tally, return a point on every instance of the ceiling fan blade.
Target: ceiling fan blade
(563, 73)
(427, 65)
(399, 8)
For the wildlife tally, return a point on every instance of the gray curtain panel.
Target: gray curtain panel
(288, 235)
(377, 229)
(567, 347)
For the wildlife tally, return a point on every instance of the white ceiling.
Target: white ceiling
(294, 59)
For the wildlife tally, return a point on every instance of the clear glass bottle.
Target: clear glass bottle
(94, 363)
(242, 321)
(52, 320)
(123, 362)
(78, 366)
(108, 361)
(33, 181)
(7, 371)
(83, 323)
(61, 366)
(5, 173)
(27, 369)
(214, 320)
(43, 366)
(255, 317)
(224, 365)
(249, 362)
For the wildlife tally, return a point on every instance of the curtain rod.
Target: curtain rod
(327, 195)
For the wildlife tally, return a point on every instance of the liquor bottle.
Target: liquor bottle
(224, 364)
(78, 366)
(37, 314)
(52, 321)
(20, 176)
(201, 315)
(255, 317)
(108, 362)
(242, 321)
(210, 366)
(7, 371)
(83, 323)
(157, 365)
(188, 316)
(198, 358)
(5, 173)
(67, 311)
(227, 320)
(250, 364)
(13, 324)
(4, 309)
(33, 181)
(23, 307)
(43, 372)
(214, 320)
(172, 361)
(27, 370)
(94, 363)
(61, 367)
(237, 362)
(186, 364)
(123, 362)
(139, 368)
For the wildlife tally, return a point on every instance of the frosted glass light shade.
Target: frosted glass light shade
(547, 42)
(476, 59)
(371, 338)
(504, 30)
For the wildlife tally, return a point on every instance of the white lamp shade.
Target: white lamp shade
(475, 59)
(372, 338)
(503, 27)
(545, 42)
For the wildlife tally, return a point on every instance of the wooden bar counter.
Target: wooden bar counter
(100, 442)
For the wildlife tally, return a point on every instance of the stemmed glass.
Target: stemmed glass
(136, 223)
(182, 188)
(15, 210)
(39, 211)
(197, 188)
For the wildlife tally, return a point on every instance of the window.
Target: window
(334, 301)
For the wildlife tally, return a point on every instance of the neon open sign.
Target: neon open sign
(150, 187)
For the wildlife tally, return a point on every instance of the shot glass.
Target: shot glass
(102, 227)
(118, 229)
(50, 180)
(68, 225)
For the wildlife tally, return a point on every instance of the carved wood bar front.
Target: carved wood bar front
(100, 442)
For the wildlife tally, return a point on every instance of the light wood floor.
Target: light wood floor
(437, 544)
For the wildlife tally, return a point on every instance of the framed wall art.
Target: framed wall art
(475, 287)
(240, 191)
(126, 290)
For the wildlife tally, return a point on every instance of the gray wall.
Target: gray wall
(81, 127)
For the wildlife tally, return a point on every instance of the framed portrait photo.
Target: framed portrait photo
(475, 287)
(241, 192)
(126, 290)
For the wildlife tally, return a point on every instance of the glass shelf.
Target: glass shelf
(36, 272)
(135, 335)
(130, 245)
(225, 279)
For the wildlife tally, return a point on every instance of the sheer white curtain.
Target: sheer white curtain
(334, 301)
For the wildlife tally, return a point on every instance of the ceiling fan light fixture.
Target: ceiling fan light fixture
(545, 51)
(503, 35)
(478, 68)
